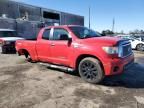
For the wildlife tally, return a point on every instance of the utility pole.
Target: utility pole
(89, 17)
(113, 24)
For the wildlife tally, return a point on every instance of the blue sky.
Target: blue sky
(128, 14)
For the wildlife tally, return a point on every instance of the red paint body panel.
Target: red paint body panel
(65, 53)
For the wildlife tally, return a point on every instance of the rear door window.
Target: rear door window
(58, 32)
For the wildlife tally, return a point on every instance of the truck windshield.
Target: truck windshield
(8, 34)
(83, 32)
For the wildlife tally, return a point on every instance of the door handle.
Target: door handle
(52, 44)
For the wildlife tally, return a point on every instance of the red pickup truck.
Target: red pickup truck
(78, 48)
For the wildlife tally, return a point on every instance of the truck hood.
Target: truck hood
(103, 40)
(10, 38)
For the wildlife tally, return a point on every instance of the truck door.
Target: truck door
(43, 46)
(61, 49)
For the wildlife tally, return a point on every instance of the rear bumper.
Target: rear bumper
(117, 66)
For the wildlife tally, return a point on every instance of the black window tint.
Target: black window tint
(58, 32)
(83, 32)
(46, 34)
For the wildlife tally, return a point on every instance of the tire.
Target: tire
(90, 70)
(140, 47)
(28, 58)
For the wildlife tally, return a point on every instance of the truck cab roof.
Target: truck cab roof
(64, 26)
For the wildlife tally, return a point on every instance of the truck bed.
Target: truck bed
(29, 45)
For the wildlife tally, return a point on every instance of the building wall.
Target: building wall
(71, 19)
(7, 23)
(26, 19)
(27, 29)
(34, 13)
(9, 8)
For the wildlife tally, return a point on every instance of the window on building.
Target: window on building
(50, 15)
(29, 13)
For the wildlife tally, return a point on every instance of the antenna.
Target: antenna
(113, 24)
(89, 17)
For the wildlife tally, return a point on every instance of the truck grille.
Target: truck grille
(125, 49)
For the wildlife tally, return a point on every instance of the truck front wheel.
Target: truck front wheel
(90, 70)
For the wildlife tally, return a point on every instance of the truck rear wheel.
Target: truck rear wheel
(90, 70)
(28, 58)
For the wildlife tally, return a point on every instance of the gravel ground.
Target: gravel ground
(28, 85)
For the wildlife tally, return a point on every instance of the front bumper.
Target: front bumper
(117, 66)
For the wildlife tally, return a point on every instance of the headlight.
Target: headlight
(110, 50)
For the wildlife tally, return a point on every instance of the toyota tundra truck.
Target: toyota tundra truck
(78, 49)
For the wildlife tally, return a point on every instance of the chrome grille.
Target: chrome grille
(125, 49)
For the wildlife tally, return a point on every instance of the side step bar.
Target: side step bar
(58, 67)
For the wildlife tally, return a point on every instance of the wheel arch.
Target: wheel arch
(80, 57)
(23, 52)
